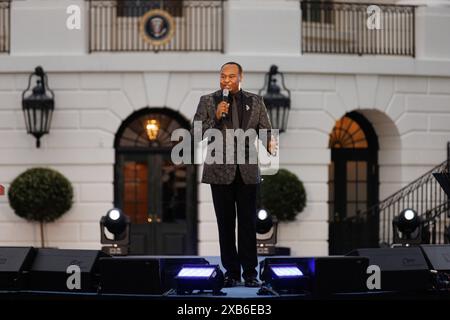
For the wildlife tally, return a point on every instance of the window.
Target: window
(137, 8)
(317, 11)
(347, 134)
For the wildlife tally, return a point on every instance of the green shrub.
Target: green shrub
(283, 195)
(40, 194)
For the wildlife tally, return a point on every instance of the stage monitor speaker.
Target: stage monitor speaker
(437, 256)
(15, 263)
(141, 274)
(338, 274)
(327, 275)
(402, 268)
(50, 270)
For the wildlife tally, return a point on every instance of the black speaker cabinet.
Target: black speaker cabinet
(326, 275)
(141, 274)
(15, 262)
(50, 270)
(340, 274)
(437, 256)
(402, 268)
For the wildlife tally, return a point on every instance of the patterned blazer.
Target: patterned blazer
(254, 116)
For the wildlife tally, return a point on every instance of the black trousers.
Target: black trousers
(229, 199)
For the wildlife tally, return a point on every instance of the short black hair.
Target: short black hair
(235, 63)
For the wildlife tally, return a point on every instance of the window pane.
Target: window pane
(135, 190)
(174, 191)
(351, 170)
(351, 192)
(362, 206)
(362, 170)
(351, 209)
(362, 191)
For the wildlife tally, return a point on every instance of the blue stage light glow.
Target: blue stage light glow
(287, 271)
(200, 272)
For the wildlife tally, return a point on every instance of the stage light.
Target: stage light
(199, 277)
(407, 228)
(118, 225)
(283, 279)
(264, 222)
(266, 232)
(287, 271)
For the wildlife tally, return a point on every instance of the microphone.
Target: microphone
(225, 93)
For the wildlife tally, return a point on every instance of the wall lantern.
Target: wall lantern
(277, 103)
(38, 106)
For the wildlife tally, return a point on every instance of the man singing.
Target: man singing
(234, 185)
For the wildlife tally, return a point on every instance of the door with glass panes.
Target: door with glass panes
(158, 195)
(155, 195)
(353, 185)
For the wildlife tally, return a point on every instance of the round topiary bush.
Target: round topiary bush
(283, 195)
(40, 194)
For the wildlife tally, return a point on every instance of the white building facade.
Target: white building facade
(406, 99)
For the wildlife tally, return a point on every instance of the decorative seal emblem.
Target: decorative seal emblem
(157, 27)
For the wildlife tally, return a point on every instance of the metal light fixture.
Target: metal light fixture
(266, 233)
(281, 278)
(38, 106)
(278, 104)
(286, 276)
(118, 225)
(199, 277)
(152, 128)
(407, 228)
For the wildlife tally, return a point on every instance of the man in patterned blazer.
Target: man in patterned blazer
(234, 183)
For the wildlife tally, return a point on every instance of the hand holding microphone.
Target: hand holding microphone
(223, 106)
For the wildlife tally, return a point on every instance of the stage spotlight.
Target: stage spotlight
(407, 228)
(266, 232)
(199, 277)
(118, 225)
(283, 279)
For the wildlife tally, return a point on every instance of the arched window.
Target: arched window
(150, 128)
(347, 133)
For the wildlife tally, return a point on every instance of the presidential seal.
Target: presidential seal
(157, 27)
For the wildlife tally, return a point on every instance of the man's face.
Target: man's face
(230, 78)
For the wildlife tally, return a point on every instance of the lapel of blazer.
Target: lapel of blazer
(247, 104)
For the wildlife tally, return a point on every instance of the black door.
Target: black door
(353, 185)
(157, 195)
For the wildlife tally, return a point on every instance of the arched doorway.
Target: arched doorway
(353, 184)
(157, 195)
